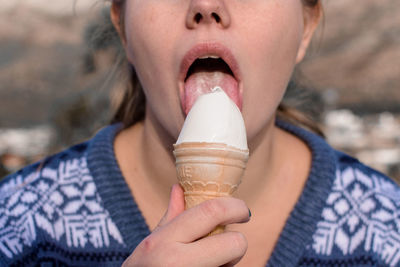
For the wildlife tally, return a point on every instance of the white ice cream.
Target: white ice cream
(214, 118)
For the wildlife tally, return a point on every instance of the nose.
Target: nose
(207, 12)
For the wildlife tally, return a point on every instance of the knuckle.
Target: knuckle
(153, 251)
(214, 209)
(148, 244)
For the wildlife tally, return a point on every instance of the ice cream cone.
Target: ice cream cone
(208, 170)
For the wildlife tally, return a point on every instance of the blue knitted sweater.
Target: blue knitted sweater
(75, 209)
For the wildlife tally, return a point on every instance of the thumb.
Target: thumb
(176, 205)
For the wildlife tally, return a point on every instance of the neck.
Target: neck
(151, 148)
(157, 158)
(146, 162)
(276, 171)
(261, 166)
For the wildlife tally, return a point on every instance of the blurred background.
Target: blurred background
(59, 82)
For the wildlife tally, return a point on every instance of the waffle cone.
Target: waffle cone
(208, 170)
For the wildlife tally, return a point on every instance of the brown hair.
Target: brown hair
(133, 103)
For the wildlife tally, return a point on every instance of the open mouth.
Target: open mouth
(209, 64)
(205, 67)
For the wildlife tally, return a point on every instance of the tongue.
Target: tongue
(200, 83)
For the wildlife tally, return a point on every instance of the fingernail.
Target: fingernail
(249, 213)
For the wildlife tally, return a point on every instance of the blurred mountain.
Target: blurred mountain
(56, 69)
(353, 61)
(48, 71)
(355, 55)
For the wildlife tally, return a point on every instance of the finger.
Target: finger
(232, 263)
(200, 220)
(176, 205)
(224, 249)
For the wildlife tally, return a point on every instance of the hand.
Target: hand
(179, 239)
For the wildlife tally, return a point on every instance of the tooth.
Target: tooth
(209, 56)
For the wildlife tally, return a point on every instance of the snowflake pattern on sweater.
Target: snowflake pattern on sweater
(63, 202)
(362, 212)
(74, 209)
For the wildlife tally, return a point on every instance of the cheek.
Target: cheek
(144, 36)
(139, 29)
(150, 40)
(270, 64)
(150, 31)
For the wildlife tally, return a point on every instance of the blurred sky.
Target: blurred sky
(58, 7)
(353, 61)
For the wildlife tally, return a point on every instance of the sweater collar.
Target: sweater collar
(296, 234)
(302, 222)
(112, 188)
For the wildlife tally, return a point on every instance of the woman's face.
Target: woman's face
(182, 48)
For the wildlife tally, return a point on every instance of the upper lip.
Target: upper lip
(208, 49)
